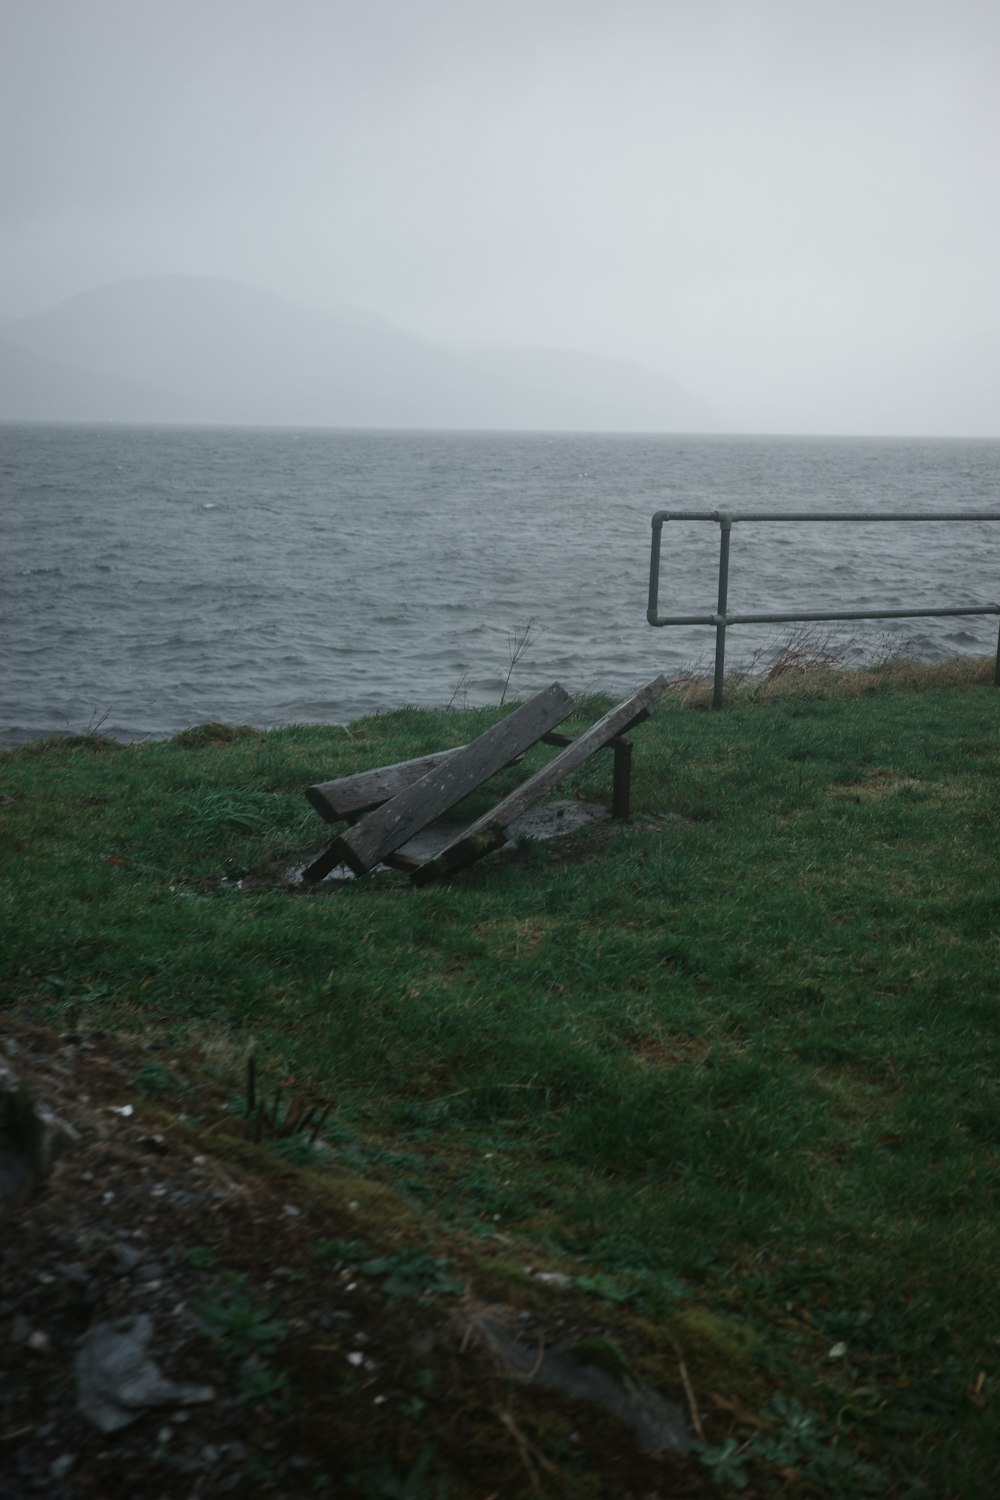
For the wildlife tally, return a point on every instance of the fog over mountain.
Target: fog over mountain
(201, 349)
(787, 208)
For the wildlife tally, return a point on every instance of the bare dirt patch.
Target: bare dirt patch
(326, 1337)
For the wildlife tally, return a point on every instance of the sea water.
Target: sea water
(154, 578)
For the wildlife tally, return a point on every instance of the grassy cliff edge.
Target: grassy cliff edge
(716, 1090)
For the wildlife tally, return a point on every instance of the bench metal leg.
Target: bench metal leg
(621, 786)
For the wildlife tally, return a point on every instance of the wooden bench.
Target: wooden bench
(387, 806)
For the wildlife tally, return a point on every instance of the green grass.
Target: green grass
(741, 1054)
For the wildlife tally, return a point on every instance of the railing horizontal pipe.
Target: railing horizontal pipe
(723, 617)
(731, 618)
(823, 515)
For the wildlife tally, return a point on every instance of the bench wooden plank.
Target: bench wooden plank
(490, 831)
(383, 831)
(347, 796)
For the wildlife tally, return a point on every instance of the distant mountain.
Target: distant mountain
(196, 349)
(34, 388)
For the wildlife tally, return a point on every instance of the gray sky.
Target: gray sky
(790, 206)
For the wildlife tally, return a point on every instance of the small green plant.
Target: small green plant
(201, 1258)
(344, 1252)
(794, 1439)
(153, 1078)
(260, 1385)
(725, 1462)
(385, 1483)
(238, 1322)
(413, 1273)
(414, 1404)
(795, 1436)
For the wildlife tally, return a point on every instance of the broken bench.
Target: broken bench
(389, 805)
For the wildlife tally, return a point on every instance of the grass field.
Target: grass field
(735, 1065)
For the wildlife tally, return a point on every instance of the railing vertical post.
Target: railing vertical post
(725, 529)
(996, 669)
(654, 565)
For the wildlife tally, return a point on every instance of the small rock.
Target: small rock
(39, 1342)
(20, 1328)
(31, 1140)
(73, 1271)
(60, 1467)
(126, 1259)
(659, 1425)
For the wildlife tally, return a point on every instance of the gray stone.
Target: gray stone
(31, 1139)
(116, 1380)
(658, 1424)
(126, 1259)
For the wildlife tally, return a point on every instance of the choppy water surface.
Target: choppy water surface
(155, 578)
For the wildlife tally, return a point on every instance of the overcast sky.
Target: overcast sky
(789, 206)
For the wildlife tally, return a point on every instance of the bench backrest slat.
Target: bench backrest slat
(440, 788)
(490, 830)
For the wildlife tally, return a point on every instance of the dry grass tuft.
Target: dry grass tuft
(812, 664)
(875, 788)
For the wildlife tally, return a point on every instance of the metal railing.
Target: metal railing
(721, 619)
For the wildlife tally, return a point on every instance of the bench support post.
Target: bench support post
(621, 786)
